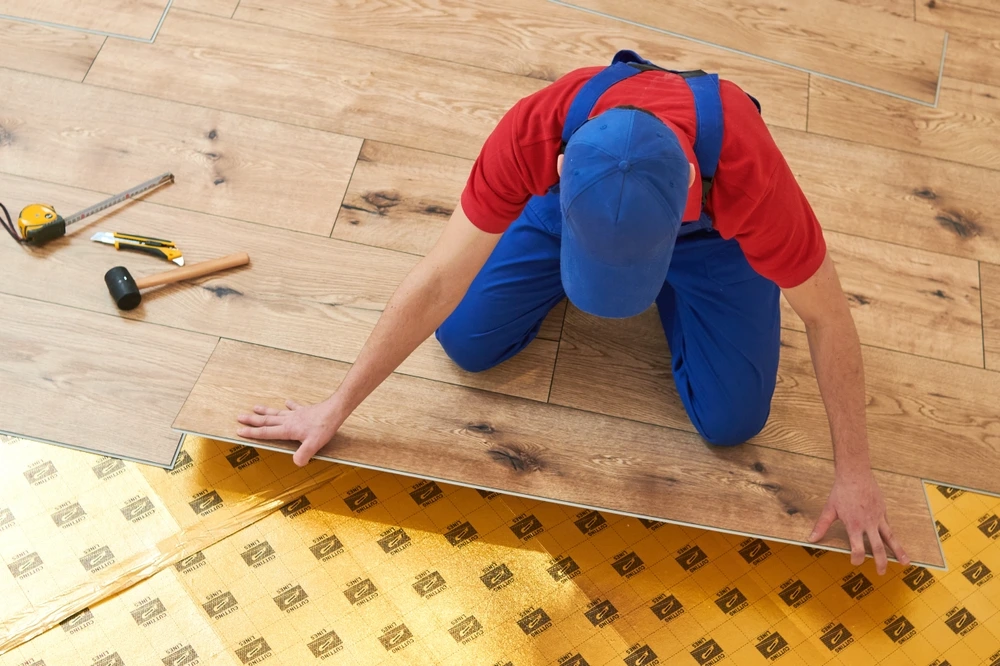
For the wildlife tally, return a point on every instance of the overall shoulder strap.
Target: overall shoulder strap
(587, 96)
(708, 139)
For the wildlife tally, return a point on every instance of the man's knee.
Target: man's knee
(462, 348)
(726, 426)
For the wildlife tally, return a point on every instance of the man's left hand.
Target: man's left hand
(857, 501)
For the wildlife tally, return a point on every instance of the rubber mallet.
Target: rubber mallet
(126, 290)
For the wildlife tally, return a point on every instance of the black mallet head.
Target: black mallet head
(123, 288)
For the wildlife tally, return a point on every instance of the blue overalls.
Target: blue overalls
(720, 317)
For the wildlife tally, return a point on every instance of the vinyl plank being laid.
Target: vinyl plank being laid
(95, 382)
(991, 314)
(133, 18)
(830, 37)
(42, 49)
(963, 127)
(423, 429)
(322, 83)
(223, 163)
(301, 292)
(224, 8)
(542, 40)
(917, 407)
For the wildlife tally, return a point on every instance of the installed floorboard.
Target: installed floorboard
(902, 8)
(135, 18)
(537, 39)
(301, 292)
(917, 407)
(424, 429)
(95, 382)
(965, 127)
(962, 17)
(224, 8)
(908, 300)
(974, 58)
(42, 49)
(851, 42)
(322, 83)
(894, 196)
(991, 314)
(225, 164)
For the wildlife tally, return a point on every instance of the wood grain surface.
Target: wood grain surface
(42, 49)
(416, 427)
(135, 18)
(94, 381)
(224, 8)
(902, 8)
(908, 300)
(301, 292)
(851, 42)
(965, 126)
(541, 40)
(223, 163)
(991, 314)
(917, 407)
(961, 16)
(974, 57)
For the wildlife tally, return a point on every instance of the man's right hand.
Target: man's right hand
(313, 426)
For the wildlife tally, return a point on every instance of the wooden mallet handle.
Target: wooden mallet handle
(194, 270)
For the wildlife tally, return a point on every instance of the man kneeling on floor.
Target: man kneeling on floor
(620, 187)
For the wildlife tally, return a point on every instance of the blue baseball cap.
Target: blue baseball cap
(623, 193)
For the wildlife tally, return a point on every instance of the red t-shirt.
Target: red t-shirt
(754, 198)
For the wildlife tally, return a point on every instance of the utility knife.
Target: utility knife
(157, 247)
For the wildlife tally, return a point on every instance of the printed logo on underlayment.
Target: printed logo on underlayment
(601, 613)
(361, 592)
(794, 593)
(69, 515)
(899, 629)
(257, 554)
(651, 525)
(707, 652)
(836, 637)
(395, 541)
(641, 655)
(6, 519)
(184, 461)
(814, 552)
(590, 523)
(97, 559)
(327, 548)
(220, 605)
(111, 660)
(755, 551)
(138, 509)
(206, 503)
(41, 472)
(857, 586)
(242, 457)
(291, 599)
(487, 494)
(77, 621)
(327, 644)
(949, 492)
(296, 507)
(461, 534)
(573, 660)
(254, 651)
(108, 467)
(563, 569)
(396, 637)
(692, 558)
(534, 622)
(361, 499)
(943, 532)
(976, 572)
(919, 579)
(497, 577)
(666, 608)
(25, 565)
(731, 601)
(526, 527)
(961, 621)
(184, 656)
(149, 612)
(771, 645)
(429, 584)
(990, 526)
(627, 564)
(191, 562)
(466, 629)
(426, 493)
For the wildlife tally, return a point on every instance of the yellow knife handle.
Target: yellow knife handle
(168, 253)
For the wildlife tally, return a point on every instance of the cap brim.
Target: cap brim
(614, 292)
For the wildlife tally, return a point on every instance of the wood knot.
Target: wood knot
(438, 210)
(212, 135)
(219, 181)
(758, 467)
(221, 291)
(6, 136)
(484, 428)
(383, 200)
(958, 224)
(858, 298)
(516, 459)
(925, 193)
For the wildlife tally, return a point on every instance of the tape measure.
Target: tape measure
(40, 223)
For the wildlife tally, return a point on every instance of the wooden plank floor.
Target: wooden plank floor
(133, 18)
(546, 451)
(99, 382)
(47, 50)
(991, 314)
